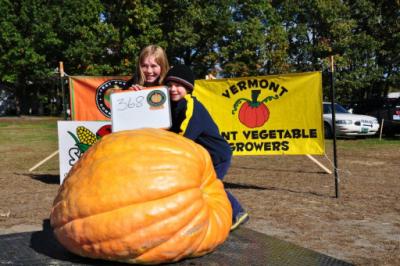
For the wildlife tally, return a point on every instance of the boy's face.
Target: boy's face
(176, 91)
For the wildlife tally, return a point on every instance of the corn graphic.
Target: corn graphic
(85, 135)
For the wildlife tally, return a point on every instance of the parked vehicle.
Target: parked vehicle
(348, 124)
(388, 112)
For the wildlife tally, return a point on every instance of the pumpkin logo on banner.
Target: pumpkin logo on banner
(84, 139)
(103, 93)
(253, 113)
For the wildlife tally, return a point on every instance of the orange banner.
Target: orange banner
(90, 96)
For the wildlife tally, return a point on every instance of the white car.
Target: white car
(348, 124)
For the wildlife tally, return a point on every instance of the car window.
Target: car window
(391, 102)
(327, 109)
(338, 109)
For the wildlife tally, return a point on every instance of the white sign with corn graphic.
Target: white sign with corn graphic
(74, 138)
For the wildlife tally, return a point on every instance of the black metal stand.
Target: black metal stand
(332, 92)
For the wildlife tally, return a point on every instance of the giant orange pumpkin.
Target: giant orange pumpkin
(142, 196)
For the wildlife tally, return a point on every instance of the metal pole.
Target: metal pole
(334, 129)
(380, 133)
(62, 75)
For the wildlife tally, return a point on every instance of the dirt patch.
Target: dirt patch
(288, 197)
(292, 199)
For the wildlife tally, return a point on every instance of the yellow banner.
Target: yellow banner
(267, 115)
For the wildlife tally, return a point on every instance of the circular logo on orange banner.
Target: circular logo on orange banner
(103, 93)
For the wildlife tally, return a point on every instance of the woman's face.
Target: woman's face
(151, 69)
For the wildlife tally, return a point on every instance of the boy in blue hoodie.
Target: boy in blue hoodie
(192, 120)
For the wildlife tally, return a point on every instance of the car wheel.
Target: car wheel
(328, 131)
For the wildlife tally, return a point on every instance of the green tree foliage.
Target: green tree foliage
(27, 42)
(376, 48)
(136, 24)
(316, 29)
(369, 64)
(193, 29)
(362, 35)
(86, 40)
(255, 43)
(357, 67)
(224, 37)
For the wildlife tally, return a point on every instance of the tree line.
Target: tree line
(223, 37)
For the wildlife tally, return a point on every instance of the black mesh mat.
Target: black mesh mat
(243, 247)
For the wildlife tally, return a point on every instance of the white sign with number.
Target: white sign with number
(139, 109)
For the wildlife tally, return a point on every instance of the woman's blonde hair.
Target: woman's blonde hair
(160, 57)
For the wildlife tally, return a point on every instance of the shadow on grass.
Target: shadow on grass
(45, 178)
(279, 170)
(244, 186)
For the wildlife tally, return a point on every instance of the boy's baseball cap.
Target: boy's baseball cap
(181, 74)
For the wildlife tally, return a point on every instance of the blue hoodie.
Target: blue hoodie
(191, 119)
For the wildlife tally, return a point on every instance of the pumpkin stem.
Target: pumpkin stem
(254, 97)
